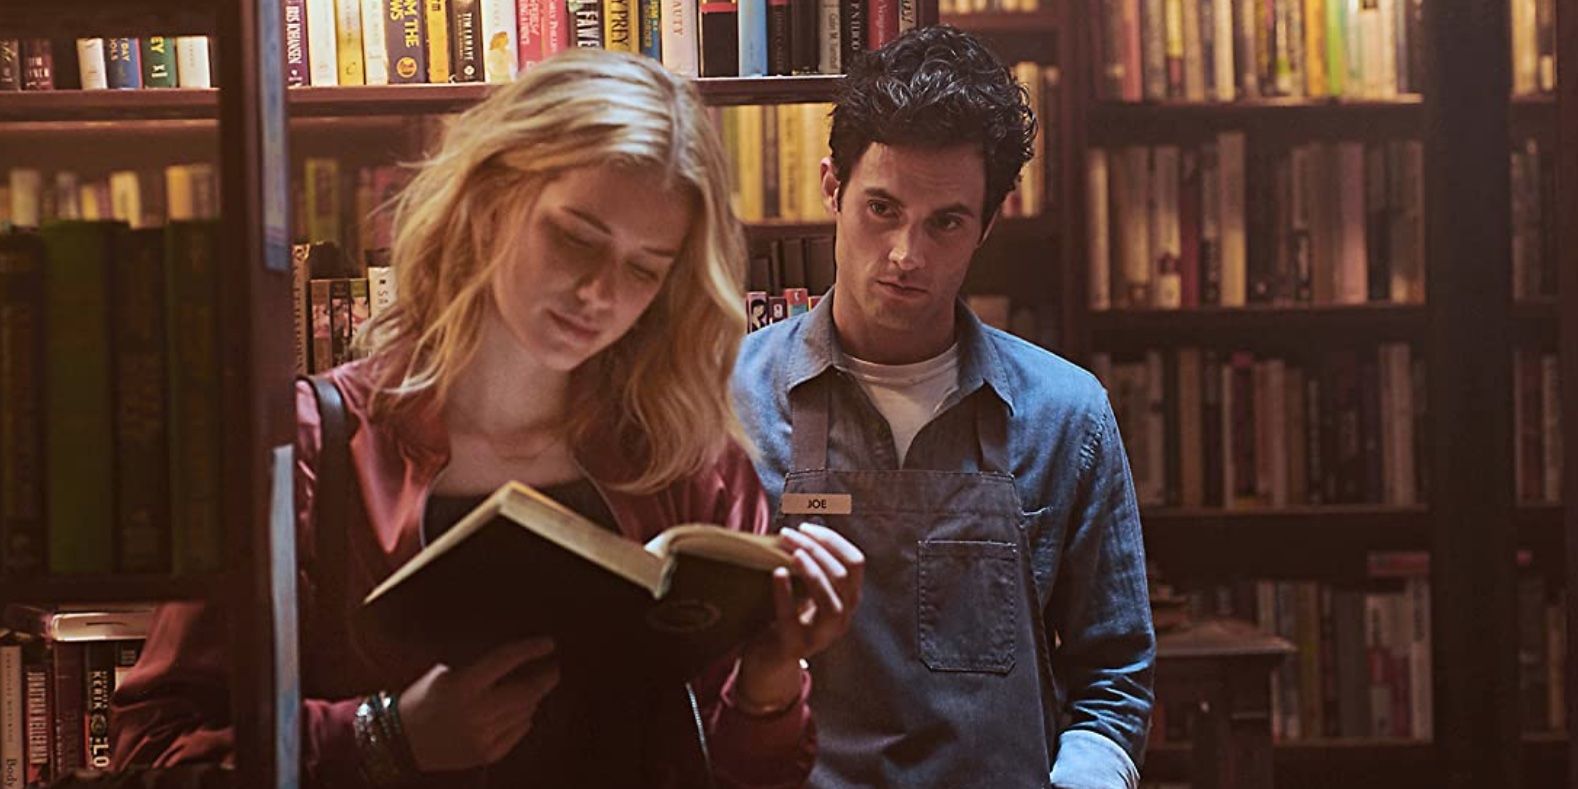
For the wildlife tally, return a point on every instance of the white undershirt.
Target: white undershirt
(907, 395)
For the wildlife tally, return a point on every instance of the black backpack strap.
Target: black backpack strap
(332, 505)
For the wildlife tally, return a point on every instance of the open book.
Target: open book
(521, 564)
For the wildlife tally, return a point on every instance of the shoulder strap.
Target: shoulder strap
(332, 499)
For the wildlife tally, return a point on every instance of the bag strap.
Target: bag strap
(332, 505)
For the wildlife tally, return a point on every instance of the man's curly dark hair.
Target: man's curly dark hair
(935, 87)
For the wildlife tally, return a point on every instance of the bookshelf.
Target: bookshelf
(1470, 523)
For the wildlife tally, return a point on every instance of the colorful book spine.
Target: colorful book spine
(882, 22)
(377, 40)
(192, 287)
(141, 424)
(435, 36)
(500, 52)
(321, 44)
(35, 709)
(407, 60)
(38, 64)
(298, 69)
(681, 42)
(349, 47)
(90, 64)
(13, 742)
(530, 28)
(779, 42)
(158, 62)
(466, 44)
(652, 28)
(99, 671)
(851, 31)
(79, 390)
(720, 39)
(619, 26)
(586, 16)
(22, 533)
(751, 17)
(830, 42)
(804, 49)
(10, 64)
(123, 62)
(191, 62)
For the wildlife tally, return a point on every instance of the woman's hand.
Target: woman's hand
(830, 569)
(457, 719)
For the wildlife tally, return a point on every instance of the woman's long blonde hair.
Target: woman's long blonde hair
(661, 390)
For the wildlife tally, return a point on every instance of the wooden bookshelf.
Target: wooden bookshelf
(397, 100)
(99, 589)
(1118, 121)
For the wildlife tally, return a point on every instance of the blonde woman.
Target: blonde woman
(569, 276)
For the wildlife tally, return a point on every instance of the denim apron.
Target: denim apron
(943, 680)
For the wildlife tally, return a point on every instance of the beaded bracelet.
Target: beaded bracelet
(385, 756)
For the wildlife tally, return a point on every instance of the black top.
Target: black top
(596, 728)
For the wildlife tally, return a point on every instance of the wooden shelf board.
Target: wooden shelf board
(1040, 22)
(1301, 517)
(402, 100)
(73, 18)
(108, 588)
(1184, 326)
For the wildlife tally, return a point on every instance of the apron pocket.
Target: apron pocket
(967, 602)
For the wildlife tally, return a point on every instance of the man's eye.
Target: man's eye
(949, 223)
(879, 208)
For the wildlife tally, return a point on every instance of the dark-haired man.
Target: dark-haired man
(1004, 637)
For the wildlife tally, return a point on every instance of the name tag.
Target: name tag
(817, 504)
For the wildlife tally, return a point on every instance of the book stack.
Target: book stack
(786, 278)
(774, 151)
(959, 7)
(30, 197)
(331, 301)
(1533, 27)
(1537, 426)
(58, 670)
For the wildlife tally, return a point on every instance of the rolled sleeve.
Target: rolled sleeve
(1087, 760)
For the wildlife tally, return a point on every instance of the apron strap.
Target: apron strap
(808, 422)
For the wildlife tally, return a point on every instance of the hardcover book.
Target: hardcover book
(522, 565)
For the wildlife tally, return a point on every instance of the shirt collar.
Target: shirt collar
(817, 349)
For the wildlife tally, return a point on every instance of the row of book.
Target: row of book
(331, 302)
(1537, 426)
(380, 42)
(1534, 260)
(181, 192)
(97, 63)
(1228, 50)
(110, 359)
(58, 672)
(1533, 27)
(1237, 430)
(349, 208)
(1362, 668)
(1229, 224)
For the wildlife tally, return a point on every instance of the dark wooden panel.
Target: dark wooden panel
(1043, 22)
(1299, 328)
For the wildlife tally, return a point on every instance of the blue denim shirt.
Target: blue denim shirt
(1073, 482)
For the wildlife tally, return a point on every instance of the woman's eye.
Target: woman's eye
(644, 274)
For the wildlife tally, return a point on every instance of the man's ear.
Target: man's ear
(830, 186)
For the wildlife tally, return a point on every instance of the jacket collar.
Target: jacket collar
(817, 348)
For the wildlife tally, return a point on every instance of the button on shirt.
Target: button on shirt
(1073, 480)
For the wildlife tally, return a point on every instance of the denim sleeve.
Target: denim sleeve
(1100, 610)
